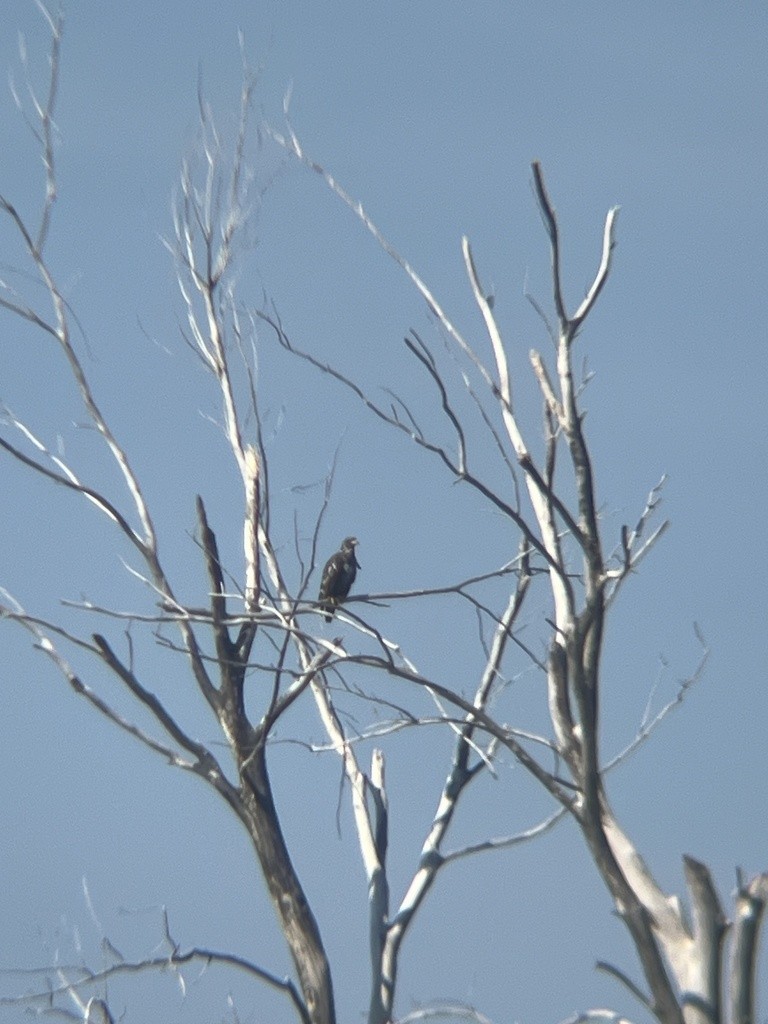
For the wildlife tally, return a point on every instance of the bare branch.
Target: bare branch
(291, 145)
(602, 271)
(422, 353)
(631, 555)
(649, 725)
(709, 927)
(550, 223)
(505, 842)
(378, 896)
(307, 677)
(152, 703)
(480, 719)
(463, 475)
(542, 376)
(625, 980)
(751, 902)
(173, 961)
(550, 545)
(70, 481)
(41, 630)
(443, 1010)
(224, 650)
(599, 1016)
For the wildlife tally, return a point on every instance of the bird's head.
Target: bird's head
(348, 546)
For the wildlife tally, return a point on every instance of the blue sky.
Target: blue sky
(430, 113)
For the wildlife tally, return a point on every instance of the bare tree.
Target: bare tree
(695, 967)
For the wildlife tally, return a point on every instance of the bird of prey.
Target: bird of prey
(338, 576)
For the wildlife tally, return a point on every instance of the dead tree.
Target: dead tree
(692, 974)
(694, 971)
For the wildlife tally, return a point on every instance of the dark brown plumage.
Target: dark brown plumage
(338, 576)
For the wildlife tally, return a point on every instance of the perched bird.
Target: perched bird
(338, 576)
